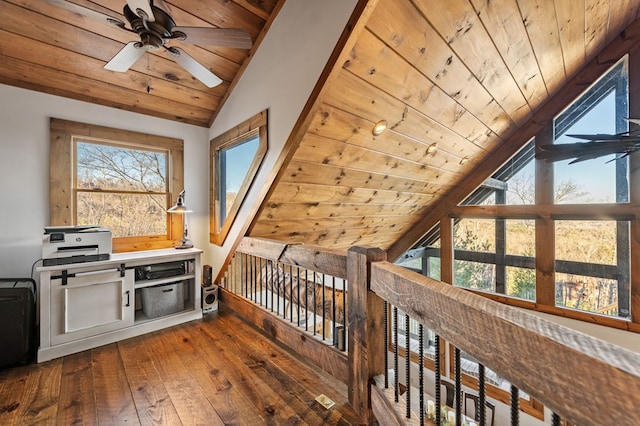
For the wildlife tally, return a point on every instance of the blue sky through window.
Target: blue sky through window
(597, 176)
(238, 160)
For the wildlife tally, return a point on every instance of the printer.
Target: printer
(63, 245)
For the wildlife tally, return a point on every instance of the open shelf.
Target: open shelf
(141, 318)
(149, 283)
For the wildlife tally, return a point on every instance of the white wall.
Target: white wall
(24, 168)
(280, 78)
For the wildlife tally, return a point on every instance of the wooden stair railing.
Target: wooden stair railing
(583, 379)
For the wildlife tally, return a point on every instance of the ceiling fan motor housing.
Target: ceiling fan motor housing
(152, 34)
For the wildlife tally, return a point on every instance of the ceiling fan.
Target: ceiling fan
(155, 27)
(598, 145)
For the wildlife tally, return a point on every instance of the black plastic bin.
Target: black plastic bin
(17, 320)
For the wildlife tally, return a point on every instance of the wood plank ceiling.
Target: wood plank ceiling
(46, 48)
(459, 75)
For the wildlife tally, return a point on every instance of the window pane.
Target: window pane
(591, 181)
(593, 266)
(521, 186)
(479, 276)
(521, 236)
(472, 238)
(586, 241)
(587, 294)
(110, 167)
(512, 184)
(521, 282)
(126, 215)
(475, 234)
(601, 110)
(234, 164)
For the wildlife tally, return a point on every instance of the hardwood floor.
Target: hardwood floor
(216, 371)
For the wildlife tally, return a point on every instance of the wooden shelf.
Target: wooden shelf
(150, 283)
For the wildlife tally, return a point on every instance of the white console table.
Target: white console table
(85, 305)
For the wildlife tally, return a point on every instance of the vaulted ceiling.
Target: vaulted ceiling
(463, 77)
(457, 82)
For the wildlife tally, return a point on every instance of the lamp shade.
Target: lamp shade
(179, 207)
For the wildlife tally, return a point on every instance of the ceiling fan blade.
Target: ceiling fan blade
(140, 8)
(126, 57)
(223, 37)
(86, 12)
(194, 67)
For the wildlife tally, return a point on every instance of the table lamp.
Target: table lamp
(181, 208)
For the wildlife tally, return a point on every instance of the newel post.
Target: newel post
(365, 325)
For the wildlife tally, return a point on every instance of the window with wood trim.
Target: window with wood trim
(116, 179)
(235, 158)
(553, 236)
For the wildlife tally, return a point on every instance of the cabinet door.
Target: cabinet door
(91, 303)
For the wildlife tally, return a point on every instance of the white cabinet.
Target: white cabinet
(84, 305)
(90, 303)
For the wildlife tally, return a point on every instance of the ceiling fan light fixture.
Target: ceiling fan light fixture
(431, 149)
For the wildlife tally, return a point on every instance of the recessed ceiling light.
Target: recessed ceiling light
(431, 149)
(464, 160)
(379, 127)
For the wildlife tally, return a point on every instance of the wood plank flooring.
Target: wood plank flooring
(218, 371)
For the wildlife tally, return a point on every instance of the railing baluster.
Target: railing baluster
(481, 396)
(261, 282)
(315, 303)
(273, 284)
(515, 406)
(298, 291)
(385, 326)
(344, 313)
(421, 371)
(323, 309)
(252, 275)
(407, 357)
(243, 267)
(290, 293)
(438, 380)
(306, 299)
(395, 354)
(278, 268)
(255, 278)
(458, 386)
(333, 311)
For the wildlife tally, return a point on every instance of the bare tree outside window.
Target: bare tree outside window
(120, 188)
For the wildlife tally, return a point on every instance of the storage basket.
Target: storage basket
(164, 299)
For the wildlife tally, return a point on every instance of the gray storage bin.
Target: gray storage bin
(162, 299)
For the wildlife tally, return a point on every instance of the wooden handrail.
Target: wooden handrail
(584, 379)
(321, 260)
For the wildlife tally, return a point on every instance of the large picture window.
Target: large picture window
(552, 235)
(118, 180)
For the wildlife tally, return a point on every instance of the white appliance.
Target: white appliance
(63, 245)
